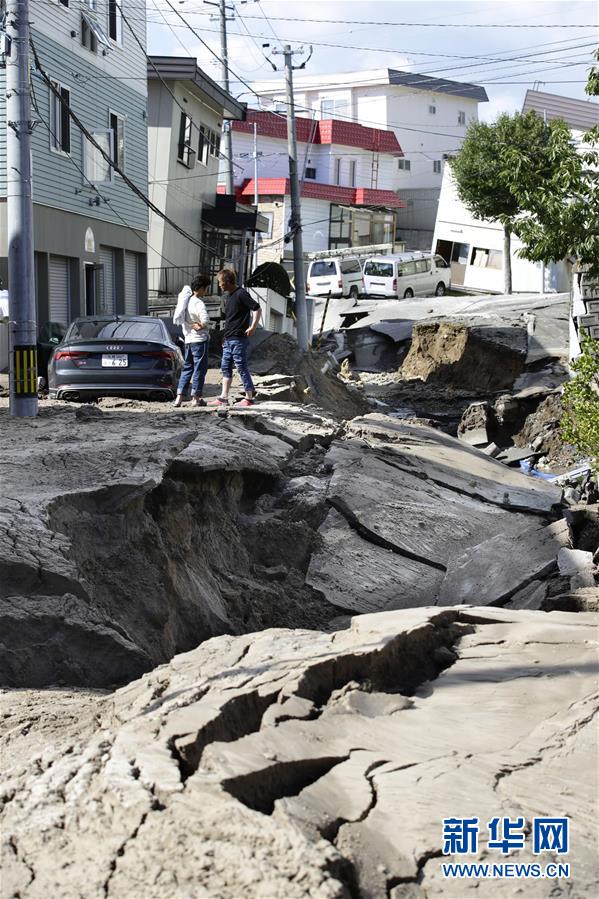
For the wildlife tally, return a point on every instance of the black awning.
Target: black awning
(229, 215)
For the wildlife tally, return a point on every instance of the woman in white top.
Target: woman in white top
(191, 314)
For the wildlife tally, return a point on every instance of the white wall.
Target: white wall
(274, 163)
(456, 224)
(423, 137)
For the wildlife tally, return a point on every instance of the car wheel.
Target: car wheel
(354, 293)
(409, 293)
(440, 291)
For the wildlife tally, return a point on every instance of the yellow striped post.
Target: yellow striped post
(25, 368)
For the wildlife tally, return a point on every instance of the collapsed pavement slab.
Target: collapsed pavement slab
(449, 463)
(303, 765)
(495, 569)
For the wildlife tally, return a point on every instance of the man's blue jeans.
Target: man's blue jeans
(235, 350)
(194, 368)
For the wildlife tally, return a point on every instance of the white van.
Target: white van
(406, 275)
(341, 277)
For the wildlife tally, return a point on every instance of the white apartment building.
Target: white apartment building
(429, 116)
(347, 170)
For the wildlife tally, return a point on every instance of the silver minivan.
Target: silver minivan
(406, 275)
(340, 277)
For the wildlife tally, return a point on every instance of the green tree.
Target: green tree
(516, 151)
(580, 423)
(560, 218)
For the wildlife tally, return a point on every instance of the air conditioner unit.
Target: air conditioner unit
(191, 158)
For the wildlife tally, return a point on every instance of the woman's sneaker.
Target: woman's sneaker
(219, 401)
(245, 402)
(197, 401)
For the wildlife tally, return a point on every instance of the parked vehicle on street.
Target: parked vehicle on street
(51, 334)
(341, 277)
(406, 275)
(109, 355)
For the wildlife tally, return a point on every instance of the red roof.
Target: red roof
(349, 196)
(327, 131)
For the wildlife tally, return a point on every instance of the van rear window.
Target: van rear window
(379, 269)
(323, 268)
(350, 265)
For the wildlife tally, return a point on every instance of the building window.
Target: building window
(404, 165)
(311, 173)
(91, 4)
(117, 126)
(331, 108)
(214, 143)
(88, 38)
(203, 145)
(266, 235)
(337, 171)
(184, 152)
(115, 21)
(96, 166)
(461, 117)
(483, 258)
(60, 120)
(327, 109)
(432, 109)
(352, 173)
(437, 166)
(64, 2)
(92, 34)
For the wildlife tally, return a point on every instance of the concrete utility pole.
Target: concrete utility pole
(304, 339)
(21, 284)
(256, 195)
(223, 9)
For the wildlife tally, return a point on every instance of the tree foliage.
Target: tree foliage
(580, 423)
(482, 167)
(560, 218)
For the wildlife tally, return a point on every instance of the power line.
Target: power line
(405, 24)
(94, 187)
(132, 186)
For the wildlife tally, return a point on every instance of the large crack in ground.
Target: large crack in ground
(198, 555)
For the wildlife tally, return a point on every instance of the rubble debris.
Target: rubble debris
(473, 425)
(578, 566)
(297, 764)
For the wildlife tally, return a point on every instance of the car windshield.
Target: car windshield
(91, 329)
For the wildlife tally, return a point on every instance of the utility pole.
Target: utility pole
(223, 9)
(21, 285)
(256, 195)
(304, 339)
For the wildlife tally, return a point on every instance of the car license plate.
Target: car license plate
(114, 360)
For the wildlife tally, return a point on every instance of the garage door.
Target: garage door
(59, 290)
(131, 284)
(106, 299)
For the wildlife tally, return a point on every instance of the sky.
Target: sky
(505, 46)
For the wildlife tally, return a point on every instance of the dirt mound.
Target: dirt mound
(481, 359)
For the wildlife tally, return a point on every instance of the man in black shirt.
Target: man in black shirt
(242, 314)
